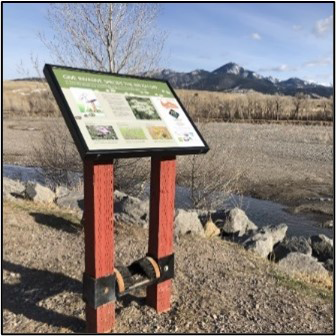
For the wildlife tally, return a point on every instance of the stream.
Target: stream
(260, 212)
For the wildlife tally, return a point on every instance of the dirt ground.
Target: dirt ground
(290, 164)
(218, 286)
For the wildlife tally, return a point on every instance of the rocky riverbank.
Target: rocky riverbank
(294, 254)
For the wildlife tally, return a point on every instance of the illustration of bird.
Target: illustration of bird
(168, 104)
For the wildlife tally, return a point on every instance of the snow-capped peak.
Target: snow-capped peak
(229, 68)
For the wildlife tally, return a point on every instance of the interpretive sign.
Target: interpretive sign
(113, 116)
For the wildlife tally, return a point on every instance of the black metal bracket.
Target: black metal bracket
(166, 265)
(98, 291)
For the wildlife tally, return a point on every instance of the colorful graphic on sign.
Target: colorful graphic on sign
(115, 112)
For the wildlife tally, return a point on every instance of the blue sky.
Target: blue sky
(278, 39)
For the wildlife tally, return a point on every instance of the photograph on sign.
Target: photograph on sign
(115, 112)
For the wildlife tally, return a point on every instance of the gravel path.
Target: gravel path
(218, 286)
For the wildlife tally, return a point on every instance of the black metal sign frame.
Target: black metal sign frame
(108, 155)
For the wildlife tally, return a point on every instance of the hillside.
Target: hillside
(233, 78)
(218, 287)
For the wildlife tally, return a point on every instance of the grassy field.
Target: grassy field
(25, 98)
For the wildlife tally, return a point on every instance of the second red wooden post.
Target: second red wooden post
(99, 237)
(161, 218)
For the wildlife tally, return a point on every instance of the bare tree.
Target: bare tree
(115, 37)
(298, 102)
(278, 106)
(209, 179)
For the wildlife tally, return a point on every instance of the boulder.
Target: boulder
(297, 262)
(118, 195)
(211, 230)
(237, 222)
(322, 247)
(12, 188)
(131, 210)
(216, 216)
(61, 191)
(328, 224)
(329, 265)
(262, 240)
(291, 244)
(38, 193)
(73, 200)
(187, 222)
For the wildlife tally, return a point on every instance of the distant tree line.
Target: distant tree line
(215, 106)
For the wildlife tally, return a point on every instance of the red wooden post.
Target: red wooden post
(99, 237)
(161, 217)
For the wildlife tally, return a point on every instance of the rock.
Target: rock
(74, 200)
(12, 188)
(263, 240)
(131, 210)
(328, 224)
(118, 195)
(218, 217)
(211, 230)
(291, 244)
(296, 262)
(329, 265)
(237, 222)
(38, 193)
(61, 191)
(187, 222)
(322, 247)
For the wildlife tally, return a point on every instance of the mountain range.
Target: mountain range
(233, 78)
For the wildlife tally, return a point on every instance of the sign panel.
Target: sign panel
(122, 116)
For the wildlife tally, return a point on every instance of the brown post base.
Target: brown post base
(158, 296)
(100, 320)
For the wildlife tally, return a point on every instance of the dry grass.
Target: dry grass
(56, 153)
(313, 285)
(211, 178)
(318, 280)
(217, 106)
(45, 208)
(30, 98)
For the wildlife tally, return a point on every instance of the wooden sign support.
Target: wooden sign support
(99, 233)
(99, 237)
(161, 218)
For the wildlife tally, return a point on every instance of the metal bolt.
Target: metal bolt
(166, 268)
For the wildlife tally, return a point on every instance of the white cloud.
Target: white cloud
(255, 36)
(297, 27)
(278, 68)
(323, 26)
(323, 79)
(318, 62)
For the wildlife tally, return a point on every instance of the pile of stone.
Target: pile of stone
(293, 254)
(36, 192)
